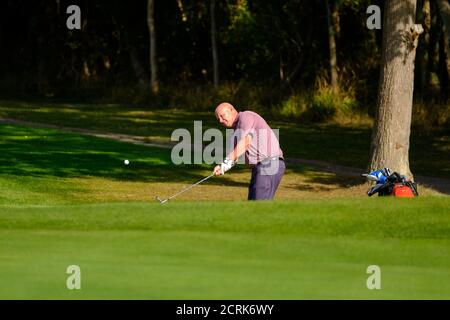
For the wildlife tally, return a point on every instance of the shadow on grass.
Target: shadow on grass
(316, 180)
(344, 145)
(336, 180)
(46, 153)
(135, 120)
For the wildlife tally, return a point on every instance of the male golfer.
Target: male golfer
(254, 138)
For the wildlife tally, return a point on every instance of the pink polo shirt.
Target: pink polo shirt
(264, 142)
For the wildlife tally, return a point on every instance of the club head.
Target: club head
(161, 201)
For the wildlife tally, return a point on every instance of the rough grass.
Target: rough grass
(52, 167)
(346, 145)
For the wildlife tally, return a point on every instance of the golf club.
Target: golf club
(184, 190)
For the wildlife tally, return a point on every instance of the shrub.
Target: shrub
(294, 107)
(431, 114)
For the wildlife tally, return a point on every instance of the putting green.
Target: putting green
(228, 250)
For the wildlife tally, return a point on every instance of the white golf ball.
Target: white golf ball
(126, 162)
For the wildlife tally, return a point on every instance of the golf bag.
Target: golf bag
(390, 183)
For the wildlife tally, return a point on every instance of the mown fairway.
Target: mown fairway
(68, 199)
(228, 250)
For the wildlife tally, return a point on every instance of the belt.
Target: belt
(267, 160)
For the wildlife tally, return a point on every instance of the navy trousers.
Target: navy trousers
(265, 179)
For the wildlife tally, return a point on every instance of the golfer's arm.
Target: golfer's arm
(240, 148)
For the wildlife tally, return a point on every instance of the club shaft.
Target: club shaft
(191, 186)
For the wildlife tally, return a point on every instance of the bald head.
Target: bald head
(226, 114)
(224, 106)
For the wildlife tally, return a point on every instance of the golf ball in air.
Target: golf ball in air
(126, 162)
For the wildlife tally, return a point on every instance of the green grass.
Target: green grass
(52, 167)
(53, 153)
(228, 250)
(62, 202)
(345, 145)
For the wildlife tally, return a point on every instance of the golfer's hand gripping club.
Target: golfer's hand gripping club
(220, 169)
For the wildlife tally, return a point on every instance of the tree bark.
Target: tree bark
(444, 70)
(136, 64)
(139, 70)
(444, 10)
(153, 59)
(391, 131)
(433, 54)
(183, 13)
(423, 71)
(332, 19)
(215, 56)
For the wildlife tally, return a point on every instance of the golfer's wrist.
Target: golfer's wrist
(226, 165)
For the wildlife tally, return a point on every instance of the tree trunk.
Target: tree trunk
(433, 54)
(42, 82)
(444, 10)
(423, 73)
(443, 64)
(444, 58)
(183, 13)
(391, 131)
(214, 44)
(139, 70)
(136, 64)
(281, 70)
(332, 18)
(153, 60)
